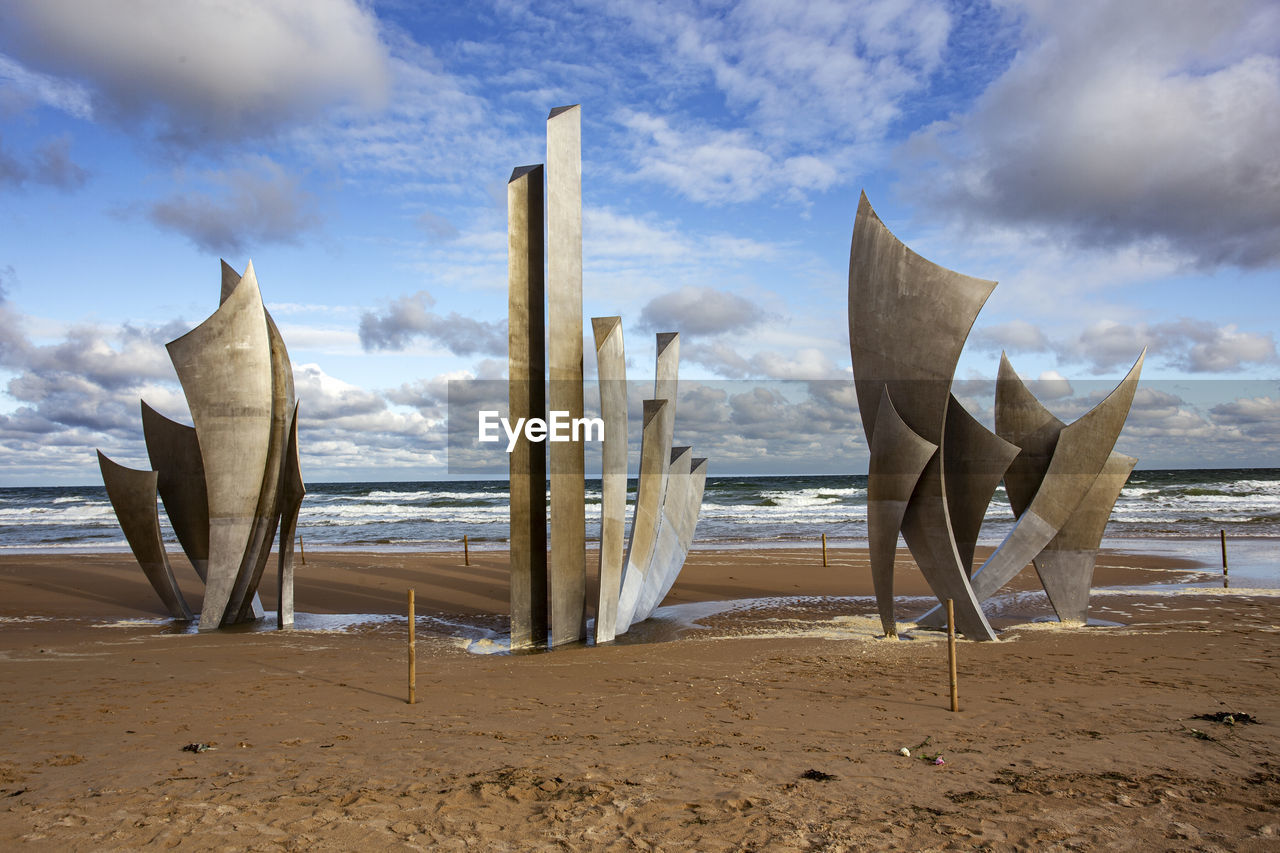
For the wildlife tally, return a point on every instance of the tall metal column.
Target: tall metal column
(526, 348)
(564, 306)
(611, 368)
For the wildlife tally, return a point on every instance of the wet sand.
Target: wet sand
(772, 724)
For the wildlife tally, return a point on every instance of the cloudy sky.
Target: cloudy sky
(1111, 164)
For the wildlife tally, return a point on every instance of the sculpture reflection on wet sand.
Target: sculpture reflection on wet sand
(548, 597)
(227, 483)
(934, 468)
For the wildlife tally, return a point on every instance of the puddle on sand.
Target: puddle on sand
(317, 623)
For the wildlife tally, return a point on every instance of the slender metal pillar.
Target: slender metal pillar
(292, 491)
(564, 309)
(526, 347)
(655, 459)
(611, 369)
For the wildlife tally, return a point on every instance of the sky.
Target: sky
(1111, 164)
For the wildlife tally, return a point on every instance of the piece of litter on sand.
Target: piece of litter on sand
(905, 752)
(938, 760)
(198, 747)
(1228, 718)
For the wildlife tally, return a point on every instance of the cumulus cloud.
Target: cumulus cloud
(1257, 417)
(723, 359)
(83, 391)
(346, 430)
(1051, 385)
(772, 425)
(1164, 416)
(409, 317)
(700, 311)
(206, 72)
(87, 383)
(1121, 124)
(1192, 345)
(241, 209)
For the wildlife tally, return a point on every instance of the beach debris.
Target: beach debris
(198, 747)
(1228, 718)
(935, 758)
(1202, 735)
(817, 775)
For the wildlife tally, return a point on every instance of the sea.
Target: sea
(1175, 512)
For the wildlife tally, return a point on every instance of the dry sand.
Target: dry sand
(775, 726)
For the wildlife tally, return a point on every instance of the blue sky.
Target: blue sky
(1112, 165)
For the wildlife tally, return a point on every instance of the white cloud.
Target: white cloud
(1124, 124)
(1256, 417)
(207, 71)
(815, 87)
(1191, 345)
(21, 87)
(699, 311)
(409, 317)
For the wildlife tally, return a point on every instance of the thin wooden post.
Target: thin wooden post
(1222, 535)
(413, 656)
(302, 551)
(951, 654)
(466, 551)
(824, 550)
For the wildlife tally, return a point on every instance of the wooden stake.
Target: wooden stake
(1222, 535)
(466, 551)
(824, 550)
(951, 654)
(413, 656)
(301, 551)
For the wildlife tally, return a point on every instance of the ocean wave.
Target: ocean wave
(1175, 505)
(49, 515)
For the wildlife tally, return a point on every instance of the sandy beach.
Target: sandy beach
(772, 722)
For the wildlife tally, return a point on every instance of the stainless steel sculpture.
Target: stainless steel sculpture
(635, 575)
(611, 370)
(898, 458)
(1065, 564)
(1062, 466)
(174, 451)
(224, 365)
(908, 321)
(292, 491)
(564, 324)
(934, 468)
(526, 393)
(227, 483)
(133, 497)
